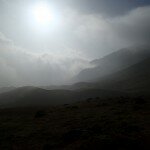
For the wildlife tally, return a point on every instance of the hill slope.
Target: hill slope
(120, 124)
(6, 89)
(113, 62)
(32, 96)
(136, 77)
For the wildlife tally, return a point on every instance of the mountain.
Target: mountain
(118, 74)
(110, 112)
(113, 62)
(134, 78)
(33, 96)
(75, 86)
(6, 89)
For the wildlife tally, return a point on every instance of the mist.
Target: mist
(74, 74)
(55, 54)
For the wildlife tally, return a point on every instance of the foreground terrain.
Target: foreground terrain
(119, 123)
(109, 109)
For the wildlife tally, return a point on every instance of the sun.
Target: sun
(44, 17)
(42, 14)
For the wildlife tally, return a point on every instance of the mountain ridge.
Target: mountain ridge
(112, 63)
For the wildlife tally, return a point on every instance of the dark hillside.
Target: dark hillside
(134, 78)
(113, 63)
(119, 123)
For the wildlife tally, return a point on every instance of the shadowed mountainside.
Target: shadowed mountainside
(134, 78)
(32, 96)
(112, 112)
(113, 63)
(6, 89)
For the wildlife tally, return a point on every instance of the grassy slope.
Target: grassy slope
(134, 78)
(32, 96)
(121, 123)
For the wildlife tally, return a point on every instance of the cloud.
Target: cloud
(105, 7)
(93, 35)
(134, 26)
(20, 67)
(96, 35)
(81, 37)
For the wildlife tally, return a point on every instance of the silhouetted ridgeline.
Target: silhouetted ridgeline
(114, 62)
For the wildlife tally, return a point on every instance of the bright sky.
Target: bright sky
(62, 36)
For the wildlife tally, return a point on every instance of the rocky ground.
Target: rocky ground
(120, 123)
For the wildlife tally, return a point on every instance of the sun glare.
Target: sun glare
(44, 17)
(42, 13)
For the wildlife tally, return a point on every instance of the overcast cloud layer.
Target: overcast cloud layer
(32, 56)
